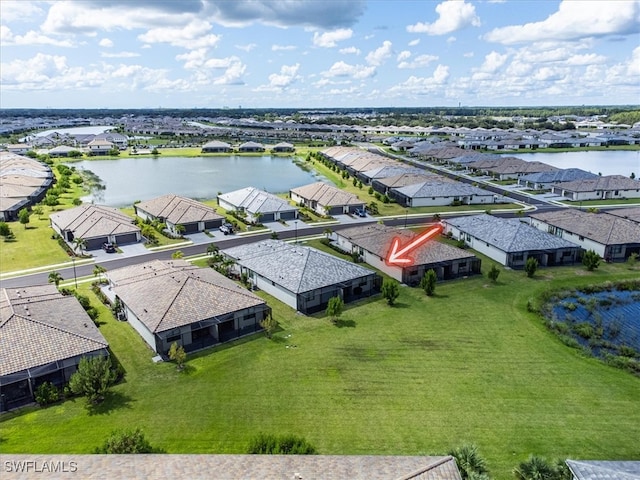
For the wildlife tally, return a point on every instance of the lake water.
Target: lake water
(607, 162)
(129, 179)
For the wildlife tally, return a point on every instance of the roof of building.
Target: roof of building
(296, 268)
(526, 167)
(225, 467)
(603, 228)
(608, 182)
(604, 470)
(172, 293)
(377, 239)
(432, 188)
(96, 142)
(632, 213)
(251, 145)
(283, 145)
(90, 221)
(178, 210)
(557, 176)
(216, 144)
(411, 179)
(39, 325)
(326, 195)
(391, 171)
(509, 235)
(255, 201)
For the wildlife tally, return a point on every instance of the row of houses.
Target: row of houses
(407, 185)
(23, 183)
(217, 146)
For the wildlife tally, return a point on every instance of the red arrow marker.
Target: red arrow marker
(397, 256)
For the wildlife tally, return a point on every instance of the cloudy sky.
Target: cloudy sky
(318, 53)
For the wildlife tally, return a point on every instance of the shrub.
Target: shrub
(591, 260)
(531, 266)
(584, 330)
(493, 273)
(128, 441)
(267, 444)
(46, 393)
(428, 282)
(390, 290)
(469, 461)
(93, 378)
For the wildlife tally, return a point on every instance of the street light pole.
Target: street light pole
(296, 228)
(406, 212)
(75, 278)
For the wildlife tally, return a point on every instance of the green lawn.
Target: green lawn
(621, 201)
(468, 365)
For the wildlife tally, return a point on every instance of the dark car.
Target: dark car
(361, 212)
(109, 247)
(226, 228)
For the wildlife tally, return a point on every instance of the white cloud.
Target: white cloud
(248, 47)
(403, 55)
(415, 42)
(280, 48)
(119, 54)
(492, 62)
(106, 43)
(350, 50)
(574, 20)
(232, 75)
(633, 68)
(453, 15)
(330, 39)
(418, 62)
(288, 74)
(13, 11)
(193, 59)
(586, 59)
(422, 85)
(451, 39)
(343, 69)
(378, 56)
(468, 55)
(29, 38)
(192, 36)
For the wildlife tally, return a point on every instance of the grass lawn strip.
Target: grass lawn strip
(470, 364)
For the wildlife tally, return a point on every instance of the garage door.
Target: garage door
(288, 215)
(335, 210)
(267, 217)
(190, 227)
(213, 224)
(95, 243)
(126, 238)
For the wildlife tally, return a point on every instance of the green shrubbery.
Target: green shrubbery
(268, 444)
(46, 393)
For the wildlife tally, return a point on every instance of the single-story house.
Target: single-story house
(507, 172)
(388, 171)
(372, 243)
(23, 182)
(511, 242)
(251, 147)
(43, 336)
(173, 301)
(283, 147)
(258, 205)
(613, 238)
(18, 148)
(117, 139)
(326, 199)
(216, 146)
(546, 180)
(175, 211)
(604, 469)
(302, 277)
(62, 151)
(599, 188)
(100, 147)
(437, 193)
(383, 185)
(95, 224)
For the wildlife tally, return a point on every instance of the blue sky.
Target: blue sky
(318, 53)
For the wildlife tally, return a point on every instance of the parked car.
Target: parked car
(361, 212)
(109, 247)
(226, 228)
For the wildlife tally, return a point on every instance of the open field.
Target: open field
(468, 365)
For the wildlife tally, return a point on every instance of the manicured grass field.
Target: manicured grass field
(468, 365)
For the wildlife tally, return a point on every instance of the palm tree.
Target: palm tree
(327, 232)
(98, 270)
(212, 249)
(469, 461)
(535, 468)
(79, 243)
(55, 277)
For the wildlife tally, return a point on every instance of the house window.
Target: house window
(616, 249)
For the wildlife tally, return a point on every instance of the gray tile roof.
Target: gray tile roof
(604, 470)
(264, 467)
(632, 213)
(178, 210)
(169, 294)
(441, 189)
(377, 238)
(557, 176)
(603, 228)
(38, 325)
(89, 221)
(296, 268)
(255, 201)
(326, 195)
(391, 171)
(509, 235)
(608, 182)
(411, 179)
